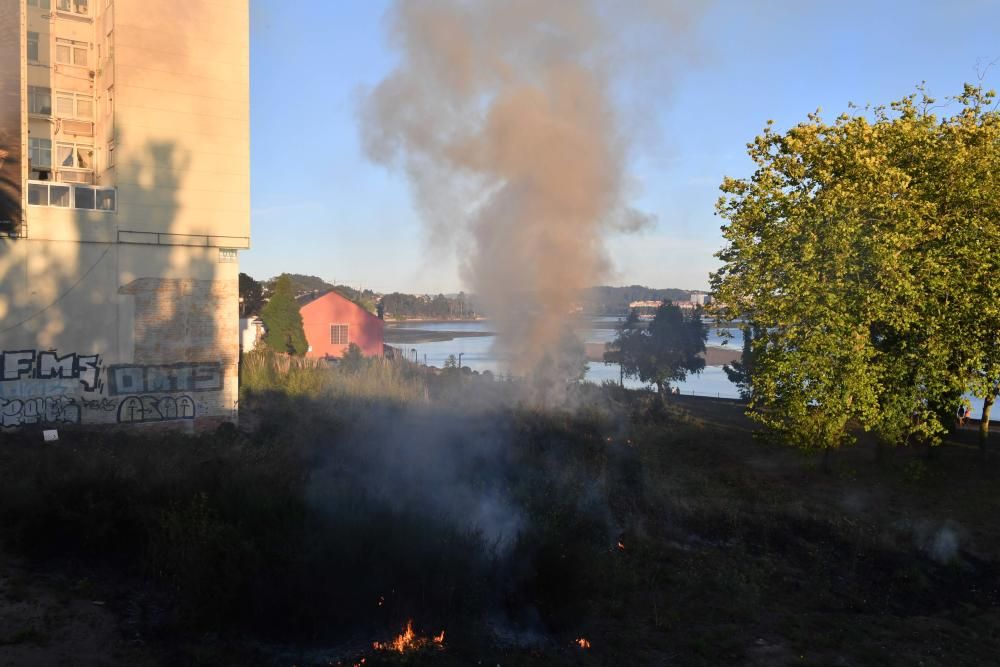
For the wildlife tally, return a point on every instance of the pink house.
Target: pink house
(332, 322)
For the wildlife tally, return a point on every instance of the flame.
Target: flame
(583, 643)
(621, 547)
(409, 641)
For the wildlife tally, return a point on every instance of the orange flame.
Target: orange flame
(583, 643)
(621, 547)
(409, 641)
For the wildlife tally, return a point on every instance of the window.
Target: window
(33, 47)
(40, 152)
(41, 4)
(59, 196)
(74, 156)
(69, 52)
(227, 255)
(38, 194)
(111, 155)
(74, 105)
(338, 334)
(40, 100)
(84, 197)
(109, 107)
(76, 6)
(106, 199)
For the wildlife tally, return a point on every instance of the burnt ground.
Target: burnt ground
(733, 551)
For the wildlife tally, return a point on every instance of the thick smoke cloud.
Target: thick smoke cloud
(505, 116)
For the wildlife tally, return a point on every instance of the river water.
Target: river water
(477, 353)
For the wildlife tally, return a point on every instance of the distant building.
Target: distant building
(251, 333)
(700, 298)
(332, 322)
(645, 304)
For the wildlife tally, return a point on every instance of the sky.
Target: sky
(320, 207)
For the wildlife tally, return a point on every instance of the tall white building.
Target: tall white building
(124, 203)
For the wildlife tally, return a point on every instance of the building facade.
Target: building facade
(332, 322)
(124, 176)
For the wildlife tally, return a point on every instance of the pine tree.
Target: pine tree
(283, 321)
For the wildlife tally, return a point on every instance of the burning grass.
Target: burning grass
(651, 537)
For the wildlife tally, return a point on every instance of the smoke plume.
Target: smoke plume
(506, 117)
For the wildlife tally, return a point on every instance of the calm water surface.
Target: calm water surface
(477, 353)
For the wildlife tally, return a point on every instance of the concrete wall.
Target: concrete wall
(132, 316)
(363, 329)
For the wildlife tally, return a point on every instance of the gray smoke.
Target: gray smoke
(506, 117)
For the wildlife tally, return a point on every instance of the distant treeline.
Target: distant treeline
(412, 306)
(594, 301)
(615, 300)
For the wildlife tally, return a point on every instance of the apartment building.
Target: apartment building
(124, 204)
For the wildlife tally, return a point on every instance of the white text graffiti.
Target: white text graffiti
(48, 365)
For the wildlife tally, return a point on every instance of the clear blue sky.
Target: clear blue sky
(319, 207)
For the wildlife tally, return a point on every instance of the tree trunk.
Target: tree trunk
(662, 391)
(984, 423)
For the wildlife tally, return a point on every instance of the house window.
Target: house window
(40, 100)
(41, 4)
(227, 255)
(59, 195)
(76, 6)
(338, 334)
(74, 105)
(69, 52)
(111, 155)
(40, 152)
(106, 198)
(84, 197)
(38, 194)
(75, 156)
(33, 47)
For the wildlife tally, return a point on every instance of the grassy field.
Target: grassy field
(352, 500)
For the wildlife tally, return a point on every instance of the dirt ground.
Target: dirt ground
(49, 620)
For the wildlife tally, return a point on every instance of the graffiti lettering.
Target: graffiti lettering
(165, 378)
(37, 388)
(143, 409)
(51, 410)
(22, 365)
(103, 404)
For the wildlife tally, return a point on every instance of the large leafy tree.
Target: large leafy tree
(283, 321)
(850, 247)
(623, 349)
(670, 349)
(251, 295)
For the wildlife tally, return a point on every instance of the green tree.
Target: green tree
(251, 296)
(623, 349)
(740, 373)
(672, 348)
(353, 359)
(283, 321)
(851, 247)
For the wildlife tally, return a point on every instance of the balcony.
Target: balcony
(66, 195)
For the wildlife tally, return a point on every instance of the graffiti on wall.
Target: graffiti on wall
(145, 409)
(22, 365)
(165, 378)
(52, 410)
